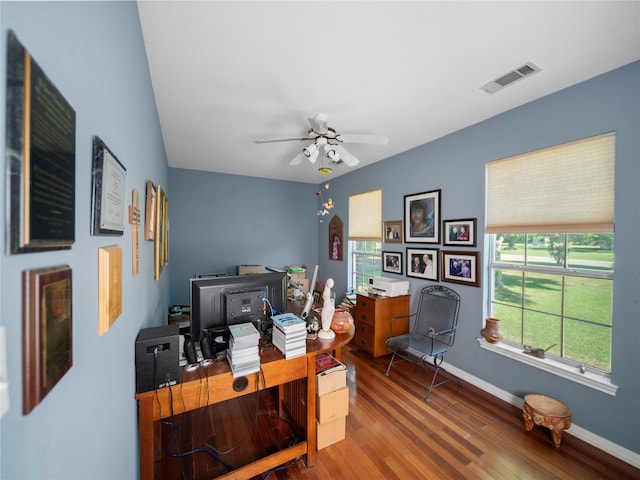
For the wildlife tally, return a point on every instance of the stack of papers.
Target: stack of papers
(243, 353)
(289, 335)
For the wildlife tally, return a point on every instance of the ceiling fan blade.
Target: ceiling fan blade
(362, 138)
(297, 160)
(275, 140)
(346, 156)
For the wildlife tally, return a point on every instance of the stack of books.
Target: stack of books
(243, 353)
(289, 335)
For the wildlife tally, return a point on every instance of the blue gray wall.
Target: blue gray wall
(86, 427)
(456, 164)
(220, 221)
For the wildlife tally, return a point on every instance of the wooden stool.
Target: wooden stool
(548, 412)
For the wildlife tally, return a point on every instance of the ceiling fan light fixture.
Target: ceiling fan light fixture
(324, 170)
(311, 152)
(331, 152)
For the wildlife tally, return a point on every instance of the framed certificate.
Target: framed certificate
(108, 177)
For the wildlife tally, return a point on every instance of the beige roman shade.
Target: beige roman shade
(365, 216)
(568, 188)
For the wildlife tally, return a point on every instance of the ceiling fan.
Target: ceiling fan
(326, 141)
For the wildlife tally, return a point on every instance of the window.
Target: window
(554, 290)
(365, 239)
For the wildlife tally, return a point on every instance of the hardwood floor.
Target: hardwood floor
(392, 433)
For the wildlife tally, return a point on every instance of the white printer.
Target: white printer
(388, 287)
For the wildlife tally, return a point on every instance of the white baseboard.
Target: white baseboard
(597, 441)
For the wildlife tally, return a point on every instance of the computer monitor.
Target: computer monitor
(221, 301)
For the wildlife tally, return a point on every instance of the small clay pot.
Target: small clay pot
(492, 332)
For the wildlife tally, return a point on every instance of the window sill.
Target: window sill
(590, 379)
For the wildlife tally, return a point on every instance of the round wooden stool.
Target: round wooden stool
(548, 412)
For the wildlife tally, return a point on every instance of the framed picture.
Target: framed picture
(423, 263)
(150, 211)
(161, 240)
(107, 202)
(460, 232)
(392, 231)
(392, 262)
(336, 238)
(40, 158)
(461, 267)
(422, 217)
(47, 347)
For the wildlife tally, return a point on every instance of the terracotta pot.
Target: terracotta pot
(492, 332)
(342, 320)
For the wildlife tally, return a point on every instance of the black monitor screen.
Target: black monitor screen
(220, 301)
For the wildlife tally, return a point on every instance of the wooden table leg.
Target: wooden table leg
(311, 411)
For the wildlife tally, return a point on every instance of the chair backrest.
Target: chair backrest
(438, 308)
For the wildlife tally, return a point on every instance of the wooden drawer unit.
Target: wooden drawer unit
(372, 321)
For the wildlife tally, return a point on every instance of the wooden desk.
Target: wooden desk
(195, 391)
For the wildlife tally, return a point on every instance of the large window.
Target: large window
(365, 239)
(554, 290)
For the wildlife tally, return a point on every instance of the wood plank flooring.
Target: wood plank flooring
(392, 433)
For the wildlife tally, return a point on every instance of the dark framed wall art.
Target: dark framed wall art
(41, 158)
(461, 267)
(461, 232)
(108, 196)
(422, 263)
(422, 217)
(47, 343)
(392, 262)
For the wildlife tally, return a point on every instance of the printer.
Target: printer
(388, 287)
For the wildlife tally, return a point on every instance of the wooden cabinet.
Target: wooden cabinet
(372, 321)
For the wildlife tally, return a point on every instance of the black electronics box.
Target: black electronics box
(157, 357)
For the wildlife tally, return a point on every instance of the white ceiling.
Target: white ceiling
(226, 74)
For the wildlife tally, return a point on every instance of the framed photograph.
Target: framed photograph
(336, 238)
(107, 202)
(422, 217)
(423, 263)
(392, 262)
(460, 232)
(150, 212)
(392, 231)
(461, 267)
(47, 346)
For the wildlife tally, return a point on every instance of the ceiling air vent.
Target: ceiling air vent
(510, 78)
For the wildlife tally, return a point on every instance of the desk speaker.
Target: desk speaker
(157, 357)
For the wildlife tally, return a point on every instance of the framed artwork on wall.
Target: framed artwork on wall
(422, 217)
(422, 263)
(336, 239)
(392, 262)
(150, 211)
(460, 232)
(461, 267)
(392, 231)
(47, 344)
(108, 196)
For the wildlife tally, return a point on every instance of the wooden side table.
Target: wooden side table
(548, 412)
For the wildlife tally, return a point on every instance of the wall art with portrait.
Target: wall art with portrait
(392, 231)
(422, 217)
(423, 263)
(392, 262)
(336, 238)
(461, 267)
(47, 346)
(461, 232)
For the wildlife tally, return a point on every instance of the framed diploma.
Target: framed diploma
(108, 185)
(47, 352)
(41, 158)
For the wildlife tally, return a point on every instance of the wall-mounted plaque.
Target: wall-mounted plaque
(41, 157)
(47, 352)
(109, 287)
(107, 201)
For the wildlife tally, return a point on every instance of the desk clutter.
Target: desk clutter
(332, 401)
(289, 335)
(243, 353)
